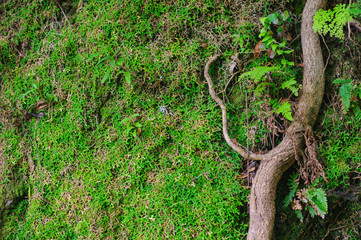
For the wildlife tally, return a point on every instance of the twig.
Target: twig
(64, 14)
(233, 144)
(197, 177)
(247, 137)
(356, 24)
(224, 90)
(329, 53)
(328, 228)
(4, 151)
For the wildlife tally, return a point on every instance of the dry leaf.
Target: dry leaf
(270, 53)
(257, 50)
(288, 37)
(41, 105)
(233, 64)
(296, 205)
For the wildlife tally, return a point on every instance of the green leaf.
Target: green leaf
(120, 62)
(345, 93)
(287, 52)
(312, 211)
(318, 197)
(112, 62)
(101, 60)
(286, 111)
(258, 72)
(342, 81)
(273, 17)
(137, 124)
(106, 76)
(280, 52)
(284, 16)
(274, 47)
(293, 189)
(264, 21)
(127, 77)
(134, 115)
(288, 83)
(292, 85)
(261, 87)
(125, 120)
(299, 215)
(285, 62)
(92, 56)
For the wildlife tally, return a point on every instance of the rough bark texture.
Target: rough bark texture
(278, 160)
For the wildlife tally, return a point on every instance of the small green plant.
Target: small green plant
(131, 128)
(273, 40)
(332, 21)
(244, 37)
(348, 92)
(258, 75)
(355, 9)
(274, 24)
(312, 199)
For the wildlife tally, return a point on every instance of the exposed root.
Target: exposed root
(231, 142)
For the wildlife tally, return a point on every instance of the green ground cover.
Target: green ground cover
(129, 144)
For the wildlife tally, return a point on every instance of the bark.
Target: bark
(263, 192)
(278, 160)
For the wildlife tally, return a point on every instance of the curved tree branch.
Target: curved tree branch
(280, 158)
(233, 144)
(263, 192)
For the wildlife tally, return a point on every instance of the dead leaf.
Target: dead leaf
(296, 205)
(232, 67)
(139, 130)
(233, 64)
(257, 50)
(270, 53)
(288, 37)
(300, 65)
(203, 44)
(243, 175)
(41, 105)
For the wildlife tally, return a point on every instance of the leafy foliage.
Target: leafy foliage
(285, 110)
(100, 161)
(355, 9)
(312, 199)
(258, 73)
(349, 93)
(293, 186)
(332, 21)
(267, 34)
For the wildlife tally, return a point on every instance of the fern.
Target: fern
(257, 73)
(312, 211)
(299, 215)
(318, 197)
(332, 21)
(345, 92)
(314, 200)
(355, 9)
(292, 85)
(292, 183)
(286, 111)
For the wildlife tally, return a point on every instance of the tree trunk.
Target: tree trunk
(279, 159)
